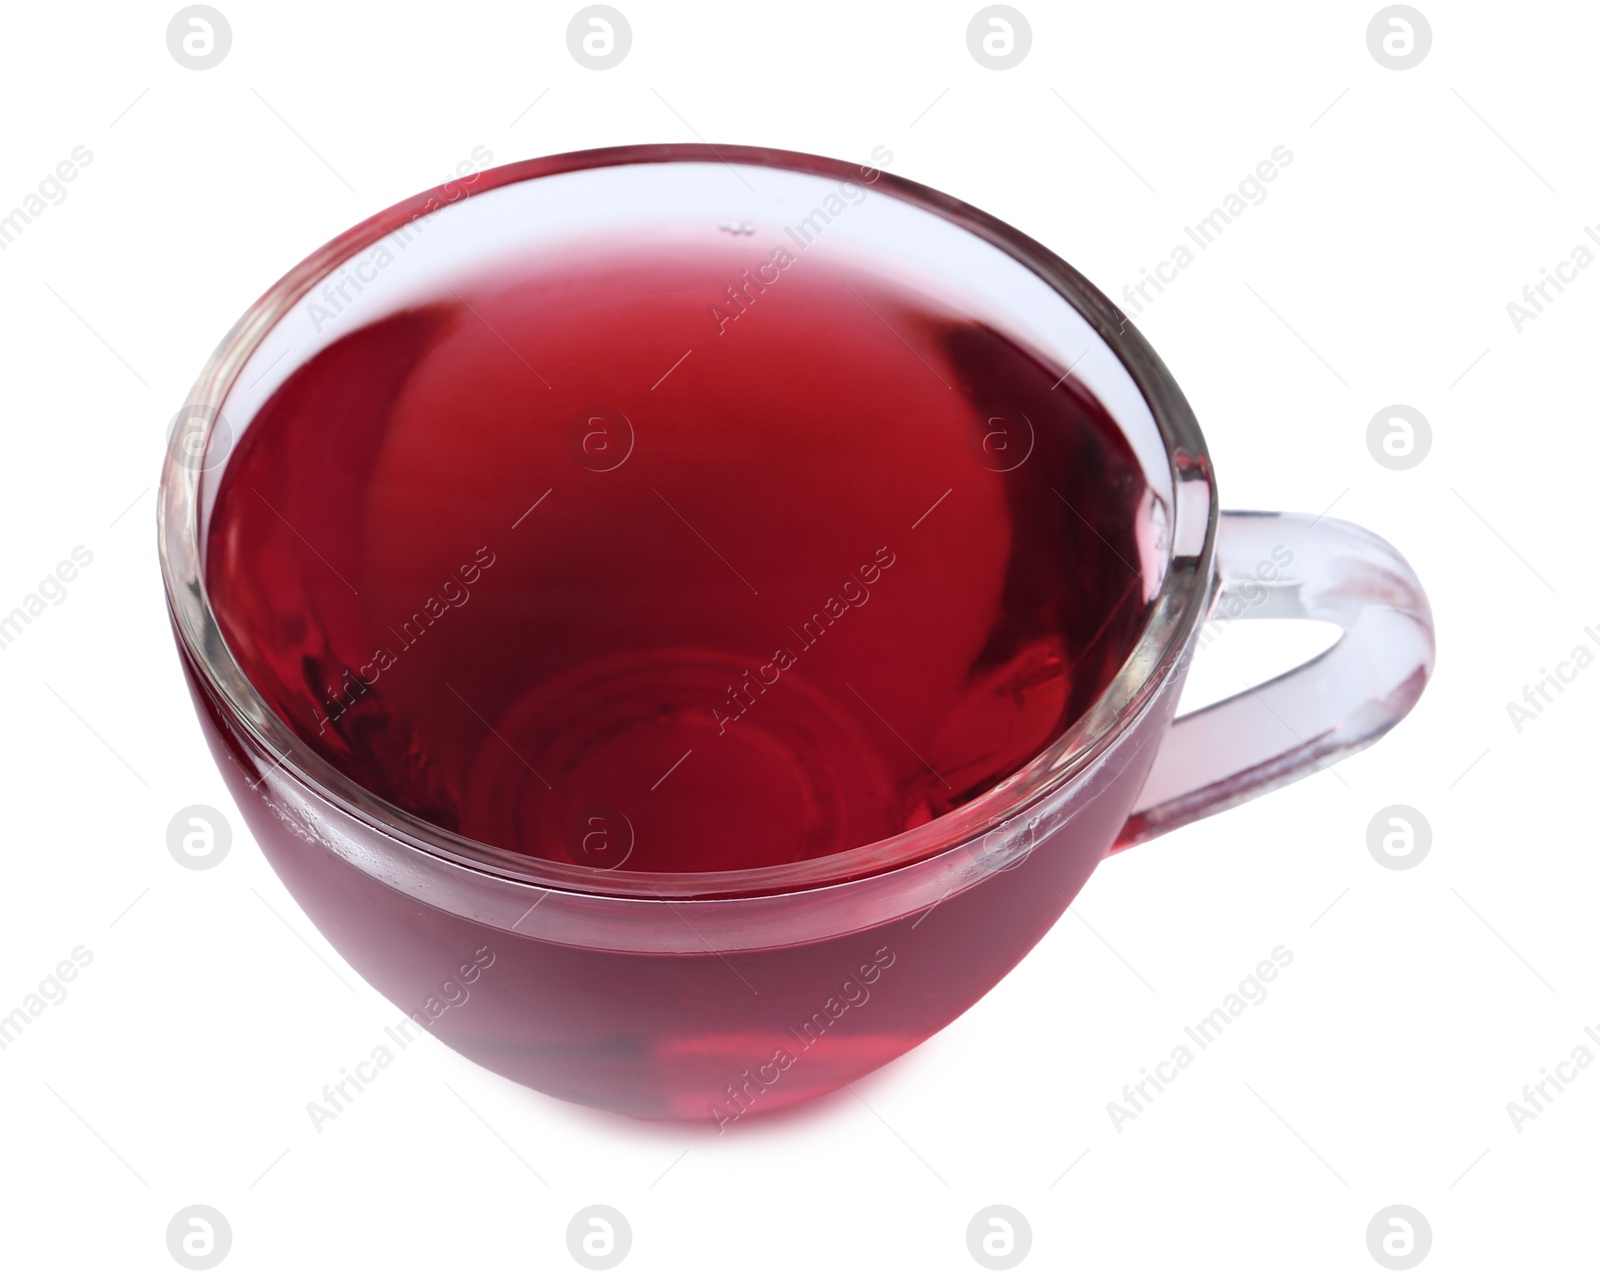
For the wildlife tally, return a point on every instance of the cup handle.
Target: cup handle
(1298, 567)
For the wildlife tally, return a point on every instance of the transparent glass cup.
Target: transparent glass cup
(717, 995)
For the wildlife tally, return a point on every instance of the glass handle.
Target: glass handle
(1293, 566)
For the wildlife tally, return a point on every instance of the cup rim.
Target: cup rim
(1174, 612)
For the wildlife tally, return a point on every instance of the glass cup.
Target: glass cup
(717, 995)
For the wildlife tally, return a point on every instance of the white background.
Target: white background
(1419, 1003)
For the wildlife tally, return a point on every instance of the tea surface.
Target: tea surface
(681, 559)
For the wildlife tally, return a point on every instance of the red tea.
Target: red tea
(679, 557)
